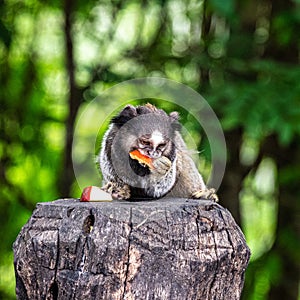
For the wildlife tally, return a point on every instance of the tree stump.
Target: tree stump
(161, 249)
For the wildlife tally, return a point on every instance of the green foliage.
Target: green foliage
(260, 105)
(224, 8)
(32, 124)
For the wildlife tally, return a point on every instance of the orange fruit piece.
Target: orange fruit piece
(143, 159)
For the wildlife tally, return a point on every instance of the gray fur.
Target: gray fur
(174, 173)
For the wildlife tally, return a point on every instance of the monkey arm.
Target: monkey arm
(161, 166)
(162, 177)
(189, 182)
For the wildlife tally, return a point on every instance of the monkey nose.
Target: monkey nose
(154, 154)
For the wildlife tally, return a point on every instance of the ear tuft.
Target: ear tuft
(124, 116)
(174, 115)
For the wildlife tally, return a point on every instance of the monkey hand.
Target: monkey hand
(117, 192)
(208, 194)
(161, 166)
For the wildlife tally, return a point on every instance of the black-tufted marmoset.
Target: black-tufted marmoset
(143, 155)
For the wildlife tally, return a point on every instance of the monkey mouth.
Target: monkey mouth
(143, 165)
(139, 168)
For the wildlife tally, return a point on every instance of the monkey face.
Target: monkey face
(153, 145)
(146, 129)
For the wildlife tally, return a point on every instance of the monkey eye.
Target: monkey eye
(145, 142)
(161, 146)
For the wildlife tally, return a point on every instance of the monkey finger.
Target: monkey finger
(162, 163)
(209, 194)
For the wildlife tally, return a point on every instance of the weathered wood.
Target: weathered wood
(163, 249)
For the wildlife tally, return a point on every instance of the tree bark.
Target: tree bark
(162, 249)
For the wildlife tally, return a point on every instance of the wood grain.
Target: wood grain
(162, 249)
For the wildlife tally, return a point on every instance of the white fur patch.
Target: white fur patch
(105, 165)
(157, 138)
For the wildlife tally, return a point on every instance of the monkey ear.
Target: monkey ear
(124, 116)
(174, 116)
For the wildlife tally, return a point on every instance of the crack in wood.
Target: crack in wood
(128, 254)
(53, 290)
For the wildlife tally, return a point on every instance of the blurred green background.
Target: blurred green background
(242, 56)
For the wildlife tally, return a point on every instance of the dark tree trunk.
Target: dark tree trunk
(287, 52)
(66, 176)
(286, 285)
(235, 173)
(287, 232)
(164, 249)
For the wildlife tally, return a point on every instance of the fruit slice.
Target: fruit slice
(94, 194)
(141, 158)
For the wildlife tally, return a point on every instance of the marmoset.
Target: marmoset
(143, 155)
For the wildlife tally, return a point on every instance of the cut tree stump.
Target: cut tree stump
(162, 249)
